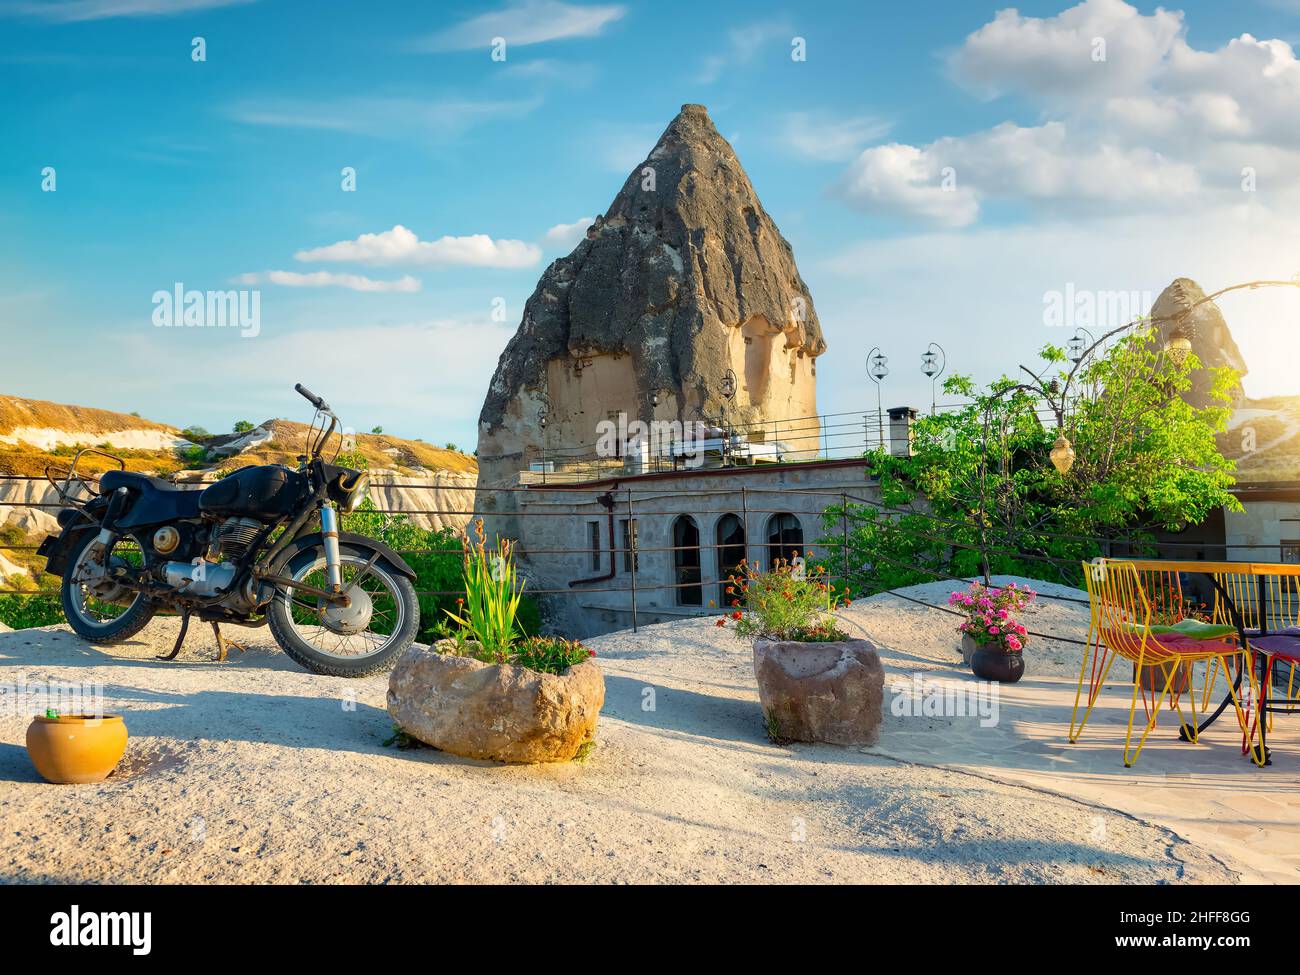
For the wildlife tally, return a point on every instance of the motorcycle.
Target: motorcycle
(261, 546)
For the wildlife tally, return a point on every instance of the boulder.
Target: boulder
(497, 712)
(831, 692)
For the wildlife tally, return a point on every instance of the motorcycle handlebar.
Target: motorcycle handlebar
(311, 397)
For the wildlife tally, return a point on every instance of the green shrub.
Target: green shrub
(21, 612)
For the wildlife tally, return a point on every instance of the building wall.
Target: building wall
(552, 519)
(1263, 523)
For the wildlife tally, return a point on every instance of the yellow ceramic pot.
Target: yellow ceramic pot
(76, 747)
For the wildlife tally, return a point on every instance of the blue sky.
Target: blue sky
(1112, 175)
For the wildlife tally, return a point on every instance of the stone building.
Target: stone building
(661, 545)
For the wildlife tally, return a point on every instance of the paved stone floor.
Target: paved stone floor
(1208, 792)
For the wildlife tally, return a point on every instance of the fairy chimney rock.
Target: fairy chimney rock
(683, 278)
(1182, 305)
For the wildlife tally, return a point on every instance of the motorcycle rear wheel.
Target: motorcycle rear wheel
(97, 620)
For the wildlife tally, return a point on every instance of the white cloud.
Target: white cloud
(528, 22)
(742, 45)
(818, 135)
(906, 180)
(1152, 126)
(401, 246)
(566, 236)
(1050, 57)
(73, 11)
(329, 279)
(436, 120)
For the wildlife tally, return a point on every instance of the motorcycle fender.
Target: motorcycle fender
(58, 548)
(317, 540)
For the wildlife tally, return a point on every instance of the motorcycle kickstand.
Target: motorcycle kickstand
(180, 638)
(223, 643)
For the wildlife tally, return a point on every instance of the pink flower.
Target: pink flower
(1013, 643)
(993, 630)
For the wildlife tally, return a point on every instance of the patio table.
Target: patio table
(1252, 639)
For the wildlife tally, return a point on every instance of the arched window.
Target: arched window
(730, 537)
(686, 561)
(784, 537)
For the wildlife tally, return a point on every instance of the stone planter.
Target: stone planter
(497, 712)
(968, 646)
(831, 692)
(76, 748)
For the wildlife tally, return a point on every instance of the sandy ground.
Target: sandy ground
(253, 770)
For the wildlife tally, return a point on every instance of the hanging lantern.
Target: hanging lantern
(1177, 344)
(1062, 454)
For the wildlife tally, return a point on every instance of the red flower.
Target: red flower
(591, 653)
(721, 623)
(735, 602)
(735, 616)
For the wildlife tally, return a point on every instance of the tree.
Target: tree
(452, 447)
(981, 494)
(243, 426)
(376, 429)
(195, 434)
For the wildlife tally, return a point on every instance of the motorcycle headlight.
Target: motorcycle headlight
(353, 486)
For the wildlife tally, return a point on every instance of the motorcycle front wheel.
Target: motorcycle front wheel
(364, 638)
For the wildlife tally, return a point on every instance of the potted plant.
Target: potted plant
(998, 638)
(1168, 609)
(487, 690)
(815, 683)
(76, 748)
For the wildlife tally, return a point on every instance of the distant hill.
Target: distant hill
(36, 433)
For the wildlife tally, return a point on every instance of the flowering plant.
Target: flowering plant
(791, 601)
(991, 615)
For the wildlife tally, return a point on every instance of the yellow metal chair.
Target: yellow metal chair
(1121, 625)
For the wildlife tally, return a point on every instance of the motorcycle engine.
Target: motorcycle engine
(228, 541)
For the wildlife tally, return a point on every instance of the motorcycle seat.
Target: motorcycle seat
(154, 500)
(112, 480)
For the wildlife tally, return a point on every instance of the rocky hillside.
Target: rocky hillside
(407, 475)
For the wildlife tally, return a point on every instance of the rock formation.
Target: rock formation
(683, 278)
(1183, 305)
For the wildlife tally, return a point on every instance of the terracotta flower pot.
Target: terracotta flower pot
(76, 748)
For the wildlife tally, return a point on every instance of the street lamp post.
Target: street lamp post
(878, 369)
(727, 391)
(541, 424)
(933, 362)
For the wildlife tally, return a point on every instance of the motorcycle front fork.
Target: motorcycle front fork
(329, 529)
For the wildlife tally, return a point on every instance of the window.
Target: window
(593, 544)
(630, 558)
(730, 537)
(1290, 551)
(686, 561)
(784, 537)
